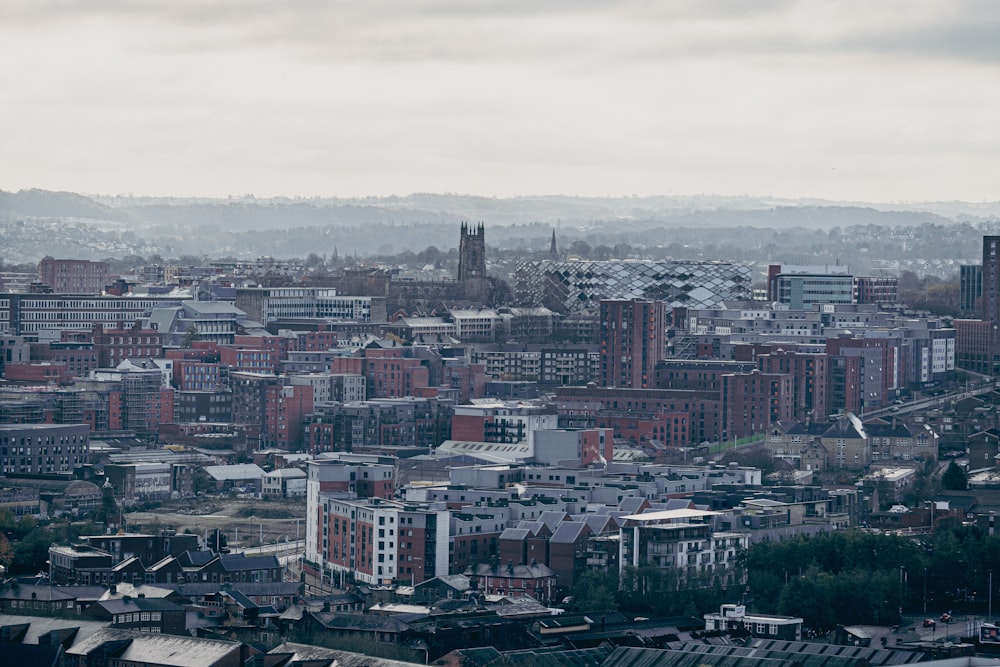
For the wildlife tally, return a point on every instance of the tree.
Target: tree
(580, 249)
(595, 592)
(108, 511)
(954, 478)
(190, 336)
(32, 552)
(6, 553)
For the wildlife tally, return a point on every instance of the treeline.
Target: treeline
(837, 578)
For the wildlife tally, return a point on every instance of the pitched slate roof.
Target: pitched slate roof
(34, 592)
(568, 532)
(848, 427)
(34, 655)
(127, 563)
(307, 654)
(239, 562)
(235, 473)
(196, 558)
(774, 647)
(157, 649)
(551, 518)
(535, 571)
(362, 622)
(879, 428)
(599, 523)
(66, 630)
(162, 563)
(121, 605)
(631, 504)
(518, 534)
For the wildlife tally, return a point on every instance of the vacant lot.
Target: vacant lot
(241, 520)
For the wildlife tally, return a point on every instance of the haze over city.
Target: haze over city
(843, 101)
(486, 333)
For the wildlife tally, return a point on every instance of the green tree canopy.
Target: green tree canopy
(954, 478)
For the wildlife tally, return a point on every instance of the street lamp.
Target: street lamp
(902, 580)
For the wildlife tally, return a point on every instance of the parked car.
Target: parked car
(929, 623)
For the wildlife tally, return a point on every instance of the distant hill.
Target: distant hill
(47, 204)
(929, 237)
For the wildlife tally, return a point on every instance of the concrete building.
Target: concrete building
(272, 304)
(577, 286)
(47, 315)
(489, 420)
(34, 449)
(735, 617)
(802, 286)
(476, 325)
(140, 482)
(684, 543)
(214, 321)
(573, 447)
(285, 483)
(375, 541)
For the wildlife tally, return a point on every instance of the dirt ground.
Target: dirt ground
(242, 520)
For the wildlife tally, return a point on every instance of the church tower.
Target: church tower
(553, 251)
(472, 253)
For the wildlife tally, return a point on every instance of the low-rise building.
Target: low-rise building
(117, 646)
(140, 613)
(769, 626)
(285, 483)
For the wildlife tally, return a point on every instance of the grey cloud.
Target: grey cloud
(586, 34)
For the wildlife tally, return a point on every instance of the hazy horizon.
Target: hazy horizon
(846, 101)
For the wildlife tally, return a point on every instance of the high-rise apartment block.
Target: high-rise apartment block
(970, 286)
(991, 279)
(633, 339)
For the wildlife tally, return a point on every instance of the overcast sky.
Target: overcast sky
(877, 101)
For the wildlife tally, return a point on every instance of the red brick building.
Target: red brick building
(754, 401)
(633, 339)
(115, 345)
(810, 379)
(315, 341)
(73, 276)
(535, 579)
(190, 375)
(46, 372)
(391, 375)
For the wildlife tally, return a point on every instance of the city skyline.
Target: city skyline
(840, 101)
